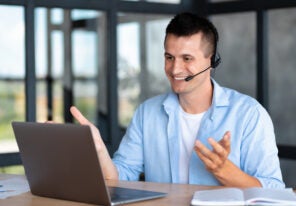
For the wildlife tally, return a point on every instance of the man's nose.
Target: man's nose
(177, 66)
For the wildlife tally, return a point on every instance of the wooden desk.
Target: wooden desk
(178, 194)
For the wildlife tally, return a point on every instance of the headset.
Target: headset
(215, 59)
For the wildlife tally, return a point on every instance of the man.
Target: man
(200, 133)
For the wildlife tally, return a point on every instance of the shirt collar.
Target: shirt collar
(171, 102)
(220, 99)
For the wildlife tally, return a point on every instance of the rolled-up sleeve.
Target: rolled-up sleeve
(259, 153)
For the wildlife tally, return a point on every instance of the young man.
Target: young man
(200, 133)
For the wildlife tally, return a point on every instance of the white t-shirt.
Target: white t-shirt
(189, 128)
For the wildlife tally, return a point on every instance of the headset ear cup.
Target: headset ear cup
(215, 60)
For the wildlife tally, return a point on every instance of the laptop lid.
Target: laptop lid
(61, 162)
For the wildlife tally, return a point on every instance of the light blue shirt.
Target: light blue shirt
(151, 142)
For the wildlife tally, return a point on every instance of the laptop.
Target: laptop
(61, 162)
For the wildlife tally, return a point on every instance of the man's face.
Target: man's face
(185, 56)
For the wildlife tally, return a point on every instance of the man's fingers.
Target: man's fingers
(225, 142)
(78, 116)
(215, 158)
(217, 148)
(206, 153)
(211, 160)
(202, 148)
(208, 163)
(202, 151)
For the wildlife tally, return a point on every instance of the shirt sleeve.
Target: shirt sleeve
(259, 153)
(128, 159)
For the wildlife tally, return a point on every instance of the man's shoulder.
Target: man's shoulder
(230, 96)
(156, 100)
(237, 97)
(238, 101)
(161, 103)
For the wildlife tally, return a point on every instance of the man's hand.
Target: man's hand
(214, 160)
(95, 132)
(109, 169)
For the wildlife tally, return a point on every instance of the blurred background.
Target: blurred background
(106, 57)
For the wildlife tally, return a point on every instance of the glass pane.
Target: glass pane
(41, 63)
(140, 61)
(45, 72)
(41, 101)
(85, 67)
(160, 1)
(84, 53)
(12, 62)
(12, 108)
(57, 16)
(128, 70)
(85, 98)
(88, 43)
(40, 46)
(237, 47)
(83, 14)
(12, 71)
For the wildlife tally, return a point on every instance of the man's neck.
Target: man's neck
(197, 101)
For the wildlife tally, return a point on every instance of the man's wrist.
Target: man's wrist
(223, 173)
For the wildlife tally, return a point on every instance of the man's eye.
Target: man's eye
(169, 57)
(187, 59)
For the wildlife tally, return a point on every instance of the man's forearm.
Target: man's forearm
(108, 167)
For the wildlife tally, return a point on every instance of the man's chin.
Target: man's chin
(177, 90)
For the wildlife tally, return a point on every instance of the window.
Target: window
(12, 71)
(86, 60)
(78, 57)
(140, 61)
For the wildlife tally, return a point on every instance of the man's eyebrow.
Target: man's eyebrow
(187, 55)
(166, 53)
(183, 55)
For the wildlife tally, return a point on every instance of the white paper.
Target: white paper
(13, 186)
(259, 196)
(227, 196)
(251, 196)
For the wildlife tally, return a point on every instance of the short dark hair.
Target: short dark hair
(187, 24)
